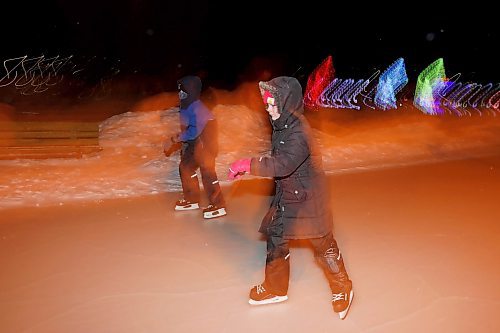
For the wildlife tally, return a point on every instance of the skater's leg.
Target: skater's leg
(210, 180)
(277, 272)
(216, 205)
(187, 172)
(329, 258)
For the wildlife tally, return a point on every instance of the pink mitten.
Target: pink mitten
(239, 168)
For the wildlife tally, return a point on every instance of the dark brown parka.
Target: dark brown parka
(301, 197)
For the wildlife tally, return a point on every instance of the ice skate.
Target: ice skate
(186, 205)
(259, 295)
(274, 289)
(341, 302)
(213, 211)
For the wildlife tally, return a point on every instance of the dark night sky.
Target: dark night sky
(223, 41)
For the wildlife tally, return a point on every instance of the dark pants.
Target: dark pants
(193, 156)
(326, 252)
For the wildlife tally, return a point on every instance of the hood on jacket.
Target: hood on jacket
(287, 94)
(192, 86)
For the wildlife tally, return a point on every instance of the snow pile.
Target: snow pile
(132, 162)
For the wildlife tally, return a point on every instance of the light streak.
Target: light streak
(30, 75)
(389, 84)
(318, 80)
(33, 75)
(323, 90)
(436, 94)
(458, 97)
(429, 82)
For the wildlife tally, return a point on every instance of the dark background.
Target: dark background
(227, 43)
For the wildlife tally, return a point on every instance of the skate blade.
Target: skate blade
(188, 207)
(275, 299)
(343, 314)
(216, 213)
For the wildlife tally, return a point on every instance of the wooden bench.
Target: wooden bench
(48, 139)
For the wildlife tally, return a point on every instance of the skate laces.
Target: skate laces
(339, 297)
(260, 289)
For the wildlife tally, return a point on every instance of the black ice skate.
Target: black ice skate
(213, 211)
(259, 295)
(186, 205)
(341, 302)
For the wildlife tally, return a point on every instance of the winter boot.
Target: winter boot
(342, 295)
(186, 205)
(338, 279)
(274, 289)
(213, 211)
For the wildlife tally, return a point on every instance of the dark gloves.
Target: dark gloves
(171, 147)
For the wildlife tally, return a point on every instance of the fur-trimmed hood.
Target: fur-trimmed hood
(287, 93)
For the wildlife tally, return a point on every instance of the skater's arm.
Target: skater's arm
(290, 155)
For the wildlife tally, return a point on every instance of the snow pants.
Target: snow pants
(194, 156)
(326, 253)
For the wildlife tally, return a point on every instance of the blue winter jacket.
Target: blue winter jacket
(194, 115)
(193, 120)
